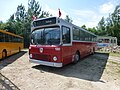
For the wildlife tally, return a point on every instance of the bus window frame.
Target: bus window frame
(66, 44)
(10, 37)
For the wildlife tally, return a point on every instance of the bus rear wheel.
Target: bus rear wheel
(93, 51)
(4, 54)
(76, 57)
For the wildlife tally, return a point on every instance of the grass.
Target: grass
(110, 53)
(113, 68)
(114, 62)
(115, 54)
(118, 72)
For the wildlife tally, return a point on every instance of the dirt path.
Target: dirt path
(94, 72)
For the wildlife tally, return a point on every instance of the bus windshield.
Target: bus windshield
(46, 36)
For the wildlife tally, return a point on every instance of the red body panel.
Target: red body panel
(68, 52)
(64, 55)
(85, 48)
(48, 53)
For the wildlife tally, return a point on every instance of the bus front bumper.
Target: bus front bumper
(53, 64)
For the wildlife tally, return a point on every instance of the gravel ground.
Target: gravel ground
(95, 72)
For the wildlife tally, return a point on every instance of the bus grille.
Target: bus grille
(41, 57)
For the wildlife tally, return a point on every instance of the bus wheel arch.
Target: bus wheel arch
(76, 56)
(4, 53)
(93, 50)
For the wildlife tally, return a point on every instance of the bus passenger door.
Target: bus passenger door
(66, 45)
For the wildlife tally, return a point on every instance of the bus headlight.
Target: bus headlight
(55, 58)
(30, 55)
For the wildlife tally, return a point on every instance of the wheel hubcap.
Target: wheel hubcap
(77, 57)
(3, 54)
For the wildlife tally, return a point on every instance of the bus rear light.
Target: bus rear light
(30, 55)
(55, 58)
(57, 49)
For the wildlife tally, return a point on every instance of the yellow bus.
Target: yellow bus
(9, 43)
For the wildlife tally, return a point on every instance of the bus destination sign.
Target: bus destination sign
(43, 22)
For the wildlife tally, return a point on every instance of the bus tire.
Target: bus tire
(4, 54)
(76, 57)
(93, 52)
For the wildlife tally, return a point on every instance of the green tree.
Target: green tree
(20, 13)
(20, 22)
(3, 25)
(113, 24)
(84, 27)
(93, 30)
(101, 24)
(34, 9)
(68, 19)
(10, 25)
(101, 27)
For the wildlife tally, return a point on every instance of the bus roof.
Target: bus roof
(61, 20)
(3, 31)
(77, 27)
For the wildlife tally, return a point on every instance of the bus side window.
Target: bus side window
(2, 37)
(66, 35)
(76, 33)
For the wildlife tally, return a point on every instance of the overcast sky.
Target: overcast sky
(88, 12)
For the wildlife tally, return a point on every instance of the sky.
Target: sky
(82, 12)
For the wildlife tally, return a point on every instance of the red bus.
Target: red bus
(55, 42)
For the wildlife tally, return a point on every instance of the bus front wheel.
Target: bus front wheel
(4, 54)
(76, 57)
